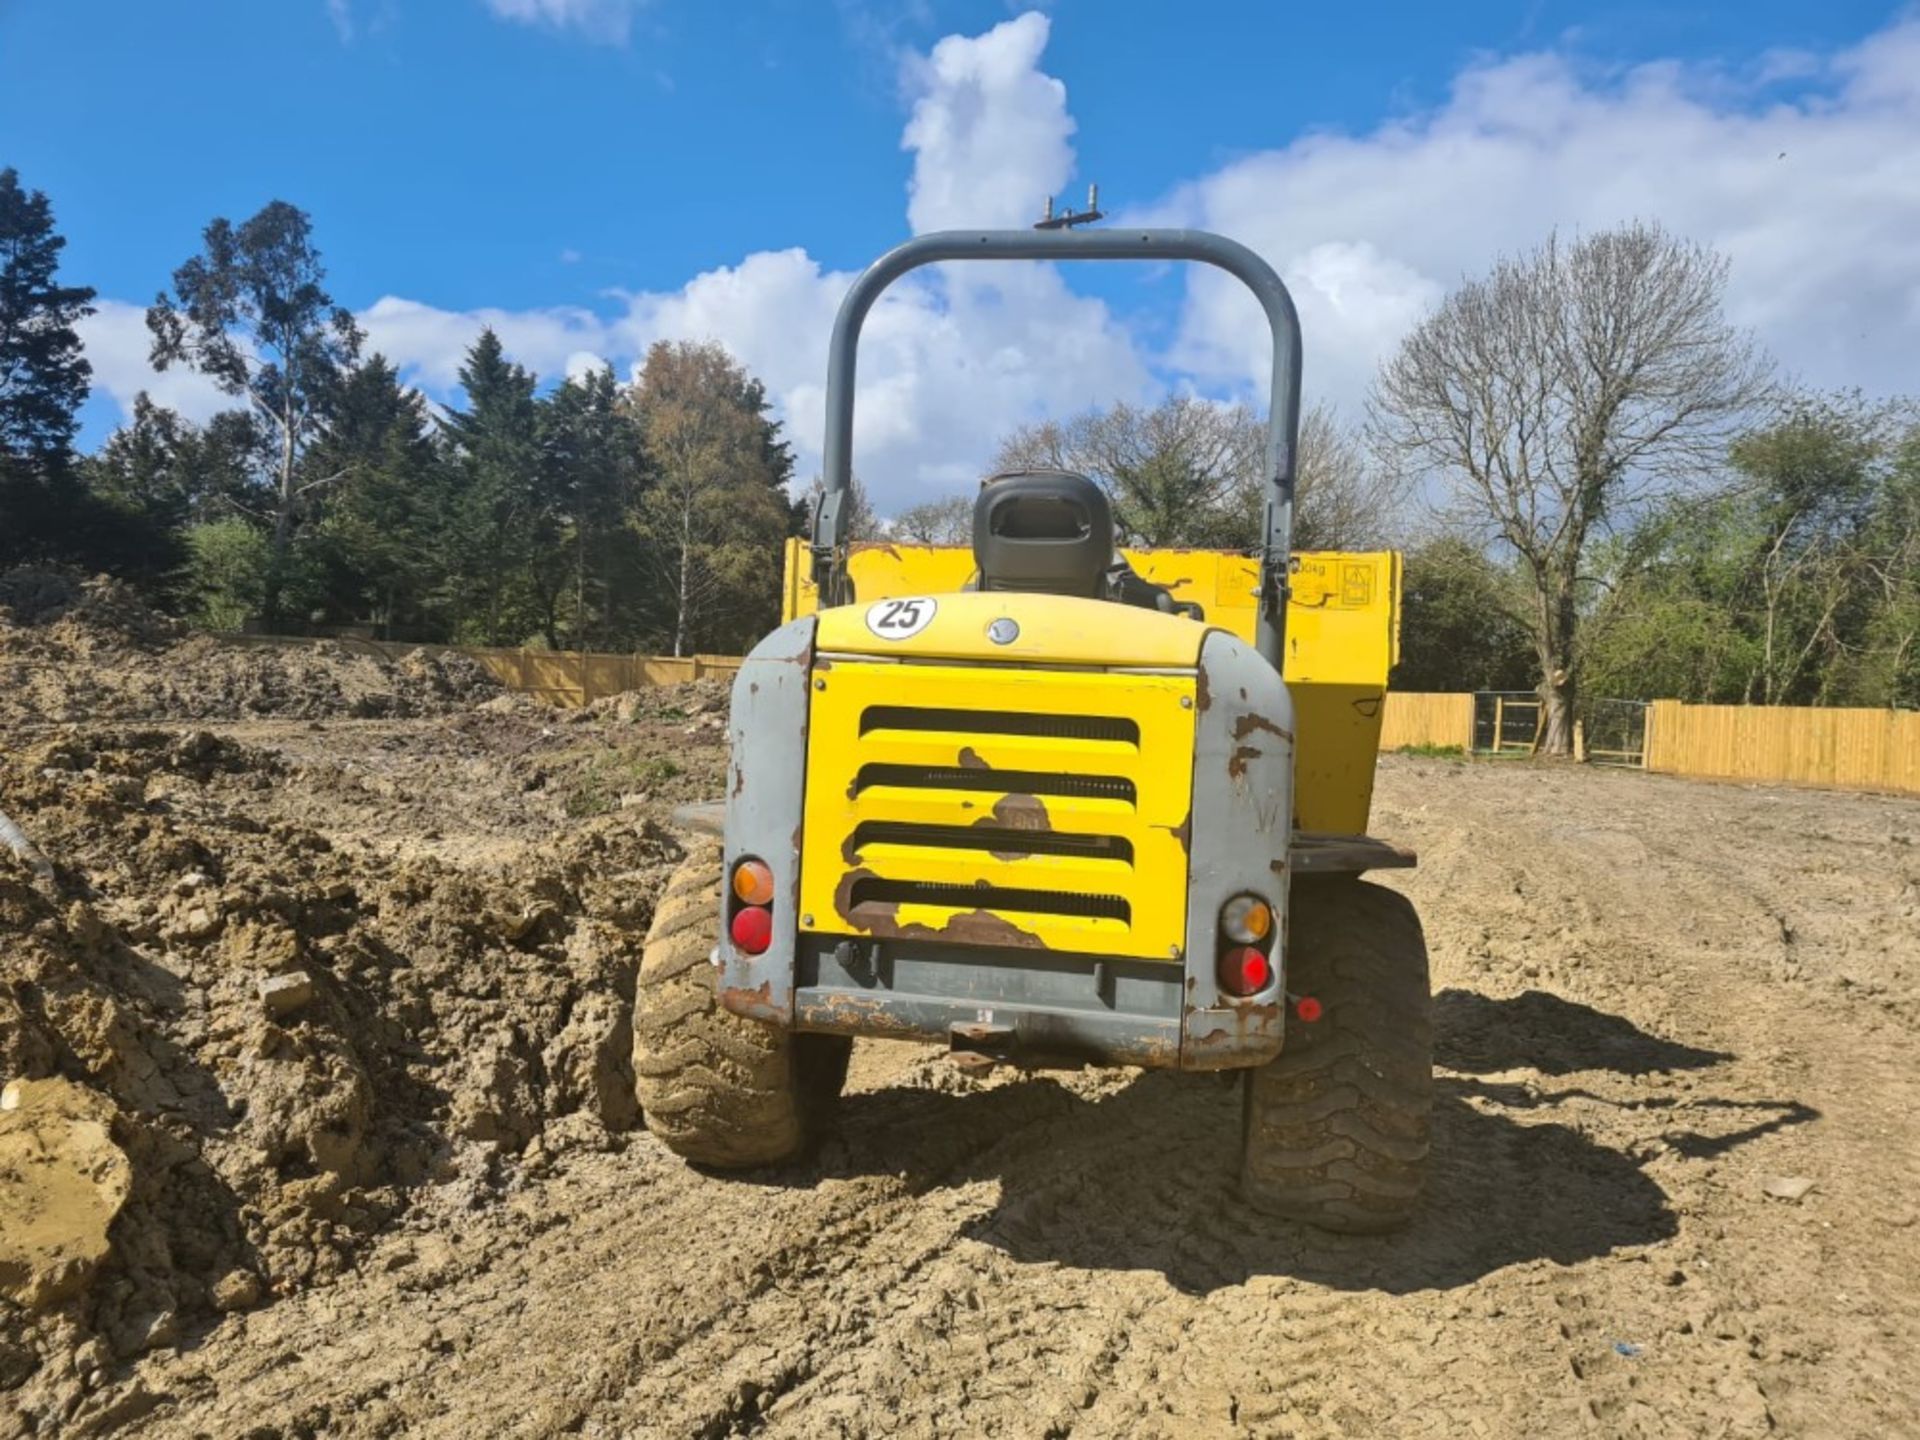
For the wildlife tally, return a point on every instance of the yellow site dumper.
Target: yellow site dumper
(1043, 800)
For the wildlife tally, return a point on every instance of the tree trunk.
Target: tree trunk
(1557, 674)
(282, 532)
(1556, 712)
(686, 568)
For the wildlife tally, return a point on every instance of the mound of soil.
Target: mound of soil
(90, 650)
(301, 1037)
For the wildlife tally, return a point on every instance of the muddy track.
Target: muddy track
(1653, 998)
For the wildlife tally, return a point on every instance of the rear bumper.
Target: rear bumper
(1034, 1006)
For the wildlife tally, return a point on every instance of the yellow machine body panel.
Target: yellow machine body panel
(1007, 805)
(1343, 637)
(956, 627)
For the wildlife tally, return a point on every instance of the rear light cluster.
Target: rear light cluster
(1246, 943)
(751, 927)
(1246, 931)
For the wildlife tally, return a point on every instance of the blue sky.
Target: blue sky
(592, 174)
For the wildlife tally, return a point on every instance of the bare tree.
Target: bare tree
(1564, 390)
(1170, 469)
(1341, 500)
(1190, 472)
(936, 522)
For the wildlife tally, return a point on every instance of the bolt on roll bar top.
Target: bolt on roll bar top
(1283, 408)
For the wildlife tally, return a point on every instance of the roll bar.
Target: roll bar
(1283, 408)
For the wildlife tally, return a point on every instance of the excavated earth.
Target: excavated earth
(354, 991)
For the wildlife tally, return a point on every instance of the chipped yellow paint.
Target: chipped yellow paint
(844, 738)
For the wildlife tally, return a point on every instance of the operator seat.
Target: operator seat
(1051, 532)
(1046, 531)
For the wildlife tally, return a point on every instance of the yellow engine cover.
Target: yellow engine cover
(1343, 636)
(991, 805)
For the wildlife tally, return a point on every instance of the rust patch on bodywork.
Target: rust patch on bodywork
(1201, 697)
(1248, 1030)
(1016, 812)
(969, 927)
(755, 1003)
(843, 892)
(1249, 723)
(1237, 762)
(970, 759)
(880, 918)
(855, 1014)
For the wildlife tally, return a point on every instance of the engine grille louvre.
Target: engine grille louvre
(998, 782)
(1000, 722)
(876, 891)
(995, 839)
(1059, 801)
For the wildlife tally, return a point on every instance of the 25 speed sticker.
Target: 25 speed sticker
(900, 619)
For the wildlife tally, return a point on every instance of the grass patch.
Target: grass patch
(609, 774)
(1434, 752)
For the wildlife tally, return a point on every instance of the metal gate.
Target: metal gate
(1506, 722)
(1616, 732)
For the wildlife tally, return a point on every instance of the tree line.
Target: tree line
(1602, 486)
(588, 514)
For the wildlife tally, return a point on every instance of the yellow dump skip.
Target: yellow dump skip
(1343, 636)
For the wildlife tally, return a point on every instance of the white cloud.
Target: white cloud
(1815, 198)
(340, 12)
(117, 343)
(989, 130)
(431, 344)
(948, 361)
(583, 363)
(1815, 201)
(606, 22)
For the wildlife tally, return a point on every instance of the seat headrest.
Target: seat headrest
(1049, 531)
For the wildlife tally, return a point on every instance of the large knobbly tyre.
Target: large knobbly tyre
(718, 1089)
(1335, 1130)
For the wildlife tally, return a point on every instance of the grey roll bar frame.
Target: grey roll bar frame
(1283, 407)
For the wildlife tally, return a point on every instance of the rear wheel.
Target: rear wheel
(716, 1088)
(1335, 1130)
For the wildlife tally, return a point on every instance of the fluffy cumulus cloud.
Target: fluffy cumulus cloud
(1801, 172)
(118, 342)
(1811, 193)
(948, 359)
(609, 22)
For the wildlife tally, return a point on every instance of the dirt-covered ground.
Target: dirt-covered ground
(410, 1194)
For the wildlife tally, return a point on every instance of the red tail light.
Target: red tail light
(752, 929)
(1244, 971)
(1307, 1008)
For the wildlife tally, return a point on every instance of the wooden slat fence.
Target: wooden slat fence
(1799, 745)
(1421, 718)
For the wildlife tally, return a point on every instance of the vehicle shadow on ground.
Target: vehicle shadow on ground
(1539, 1030)
(1145, 1177)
